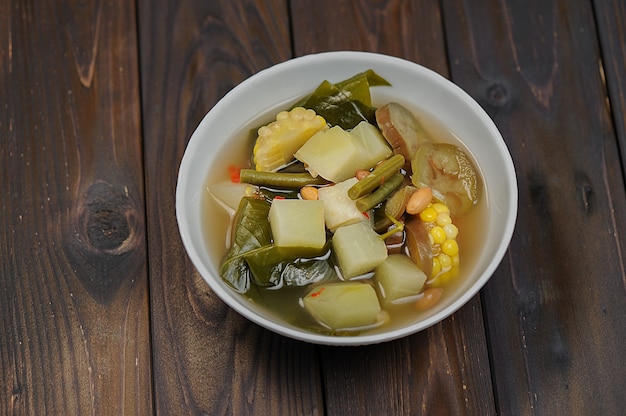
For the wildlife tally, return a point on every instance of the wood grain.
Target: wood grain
(611, 27)
(101, 311)
(73, 294)
(407, 29)
(535, 70)
(429, 372)
(208, 359)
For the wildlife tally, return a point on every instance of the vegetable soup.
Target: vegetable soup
(378, 244)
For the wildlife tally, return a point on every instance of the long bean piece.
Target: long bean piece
(279, 180)
(378, 176)
(384, 190)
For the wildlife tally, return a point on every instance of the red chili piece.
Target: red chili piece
(319, 292)
(235, 174)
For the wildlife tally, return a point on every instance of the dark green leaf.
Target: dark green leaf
(270, 267)
(265, 265)
(346, 103)
(303, 272)
(251, 231)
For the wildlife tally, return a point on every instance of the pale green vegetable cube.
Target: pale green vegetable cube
(332, 154)
(228, 194)
(336, 154)
(373, 145)
(398, 279)
(343, 305)
(298, 225)
(358, 249)
(339, 208)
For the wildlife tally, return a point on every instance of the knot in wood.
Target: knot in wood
(107, 229)
(16, 392)
(105, 247)
(108, 219)
(497, 95)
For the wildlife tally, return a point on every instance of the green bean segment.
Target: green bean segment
(279, 180)
(383, 191)
(377, 177)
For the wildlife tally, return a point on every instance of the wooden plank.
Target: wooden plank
(207, 359)
(73, 294)
(611, 26)
(445, 369)
(555, 310)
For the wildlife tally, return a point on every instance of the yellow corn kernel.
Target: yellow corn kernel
(436, 267)
(435, 282)
(456, 261)
(445, 277)
(451, 231)
(443, 219)
(450, 247)
(438, 234)
(445, 261)
(439, 207)
(428, 214)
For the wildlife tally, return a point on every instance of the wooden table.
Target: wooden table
(101, 311)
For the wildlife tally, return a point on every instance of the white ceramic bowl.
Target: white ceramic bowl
(413, 85)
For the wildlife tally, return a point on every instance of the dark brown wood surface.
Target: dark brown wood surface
(101, 311)
(74, 304)
(555, 311)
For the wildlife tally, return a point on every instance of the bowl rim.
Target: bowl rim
(229, 296)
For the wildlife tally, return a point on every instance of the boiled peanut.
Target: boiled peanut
(429, 298)
(309, 193)
(419, 201)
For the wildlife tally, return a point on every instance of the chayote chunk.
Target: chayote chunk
(343, 305)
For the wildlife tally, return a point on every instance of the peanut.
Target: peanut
(419, 201)
(309, 193)
(429, 298)
(360, 174)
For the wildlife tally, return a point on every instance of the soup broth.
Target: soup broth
(285, 303)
